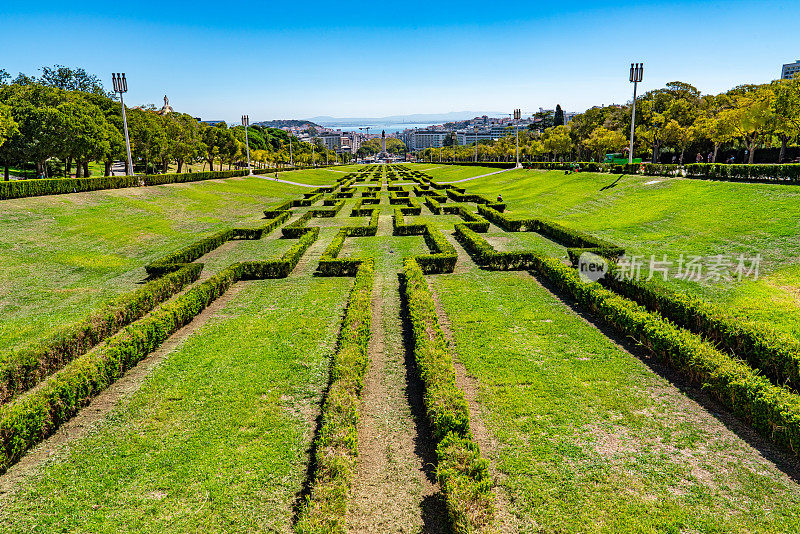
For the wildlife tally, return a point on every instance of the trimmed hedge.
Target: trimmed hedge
(35, 415)
(276, 209)
(433, 205)
(190, 253)
(774, 353)
(24, 368)
(771, 173)
(328, 211)
(471, 220)
(462, 473)
(486, 256)
(568, 237)
(399, 227)
(60, 186)
(443, 255)
(330, 264)
(325, 509)
(773, 411)
(506, 223)
(297, 228)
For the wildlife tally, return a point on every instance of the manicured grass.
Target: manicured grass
(674, 217)
(216, 438)
(590, 440)
(325, 176)
(448, 173)
(64, 255)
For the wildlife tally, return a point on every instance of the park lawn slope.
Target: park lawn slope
(216, 439)
(591, 440)
(450, 173)
(674, 217)
(65, 255)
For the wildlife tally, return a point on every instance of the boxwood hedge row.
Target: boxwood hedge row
(486, 256)
(557, 232)
(462, 473)
(325, 509)
(471, 220)
(58, 186)
(772, 410)
(774, 353)
(190, 253)
(33, 416)
(25, 367)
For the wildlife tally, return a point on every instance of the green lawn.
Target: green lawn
(216, 439)
(448, 173)
(64, 255)
(589, 439)
(325, 176)
(674, 217)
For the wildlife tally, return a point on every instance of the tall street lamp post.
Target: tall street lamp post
(121, 86)
(517, 117)
(291, 156)
(635, 78)
(246, 124)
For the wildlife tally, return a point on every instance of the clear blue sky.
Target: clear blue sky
(219, 59)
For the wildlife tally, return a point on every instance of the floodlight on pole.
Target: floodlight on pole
(291, 156)
(246, 124)
(517, 117)
(635, 77)
(121, 86)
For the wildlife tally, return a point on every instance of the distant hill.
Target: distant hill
(416, 118)
(287, 123)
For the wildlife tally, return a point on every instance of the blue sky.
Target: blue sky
(218, 60)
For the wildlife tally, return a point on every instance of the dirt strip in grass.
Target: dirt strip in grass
(395, 487)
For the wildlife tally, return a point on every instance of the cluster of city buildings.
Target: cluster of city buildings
(790, 69)
(332, 139)
(475, 130)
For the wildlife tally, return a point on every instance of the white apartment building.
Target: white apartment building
(421, 139)
(790, 70)
(470, 137)
(331, 140)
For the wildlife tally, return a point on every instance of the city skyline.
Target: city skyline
(281, 62)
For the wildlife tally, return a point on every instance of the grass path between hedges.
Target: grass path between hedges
(589, 439)
(674, 217)
(63, 256)
(394, 483)
(216, 439)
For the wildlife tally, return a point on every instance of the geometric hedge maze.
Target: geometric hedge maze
(45, 384)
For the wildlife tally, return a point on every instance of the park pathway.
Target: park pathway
(394, 484)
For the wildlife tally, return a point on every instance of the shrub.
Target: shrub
(22, 369)
(771, 410)
(325, 509)
(776, 354)
(32, 417)
(462, 473)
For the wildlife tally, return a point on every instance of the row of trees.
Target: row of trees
(65, 117)
(672, 122)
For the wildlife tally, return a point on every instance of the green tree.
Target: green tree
(556, 141)
(558, 118)
(786, 111)
(8, 126)
(751, 117)
(603, 141)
